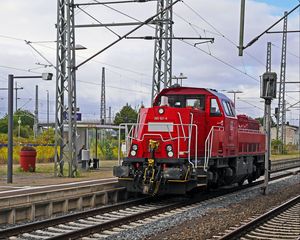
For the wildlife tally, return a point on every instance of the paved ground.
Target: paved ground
(44, 176)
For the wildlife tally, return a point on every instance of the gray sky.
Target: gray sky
(129, 63)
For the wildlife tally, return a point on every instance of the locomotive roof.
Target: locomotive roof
(192, 91)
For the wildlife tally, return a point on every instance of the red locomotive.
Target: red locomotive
(191, 137)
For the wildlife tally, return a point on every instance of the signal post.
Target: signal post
(268, 92)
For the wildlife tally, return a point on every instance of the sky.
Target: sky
(129, 63)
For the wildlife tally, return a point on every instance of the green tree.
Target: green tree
(27, 121)
(3, 125)
(126, 115)
(26, 117)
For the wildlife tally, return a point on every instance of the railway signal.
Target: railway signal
(268, 92)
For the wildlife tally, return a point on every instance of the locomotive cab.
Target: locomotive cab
(188, 139)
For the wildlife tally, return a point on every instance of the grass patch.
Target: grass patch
(284, 156)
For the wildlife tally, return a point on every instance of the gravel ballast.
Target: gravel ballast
(214, 216)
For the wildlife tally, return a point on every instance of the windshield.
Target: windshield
(181, 101)
(228, 108)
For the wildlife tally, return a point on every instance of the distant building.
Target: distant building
(292, 134)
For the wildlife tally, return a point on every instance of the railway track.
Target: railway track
(102, 222)
(36, 203)
(286, 164)
(282, 222)
(100, 225)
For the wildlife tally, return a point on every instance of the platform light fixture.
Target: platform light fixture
(11, 77)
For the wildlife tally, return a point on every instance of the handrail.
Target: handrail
(133, 135)
(182, 128)
(125, 127)
(209, 145)
(190, 136)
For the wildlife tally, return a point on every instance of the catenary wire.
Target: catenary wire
(221, 34)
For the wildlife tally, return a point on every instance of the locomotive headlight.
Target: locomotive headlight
(134, 147)
(161, 111)
(133, 153)
(170, 154)
(169, 148)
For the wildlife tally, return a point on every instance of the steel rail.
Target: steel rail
(281, 165)
(117, 222)
(30, 227)
(70, 217)
(85, 231)
(242, 230)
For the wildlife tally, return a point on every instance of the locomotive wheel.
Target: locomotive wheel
(213, 185)
(240, 183)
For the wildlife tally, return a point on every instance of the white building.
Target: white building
(292, 134)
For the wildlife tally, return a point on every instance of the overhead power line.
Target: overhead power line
(273, 25)
(95, 19)
(223, 61)
(19, 69)
(119, 88)
(126, 35)
(114, 2)
(220, 33)
(288, 52)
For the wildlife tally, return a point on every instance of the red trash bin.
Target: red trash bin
(28, 159)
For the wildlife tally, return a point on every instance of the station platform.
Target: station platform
(36, 181)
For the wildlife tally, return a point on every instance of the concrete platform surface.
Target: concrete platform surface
(44, 178)
(13, 191)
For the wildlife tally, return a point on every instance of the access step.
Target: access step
(202, 176)
(201, 185)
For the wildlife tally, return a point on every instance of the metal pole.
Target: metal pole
(234, 98)
(16, 87)
(281, 93)
(109, 115)
(268, 69)
(36, 116)
(19, 129)
(242, 24)
(268, 147)
(234, 95)
(48, 109)
(10, 129)
(103, 100)
(96, 149)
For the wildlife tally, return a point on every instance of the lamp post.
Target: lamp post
(11, 77)
(19, 127)
(47, 109)
(180, 77)
(234, 94)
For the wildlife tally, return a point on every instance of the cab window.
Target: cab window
(214, 108)
(228, 108)
(195, 102)
(232, 108)
(181, 101)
